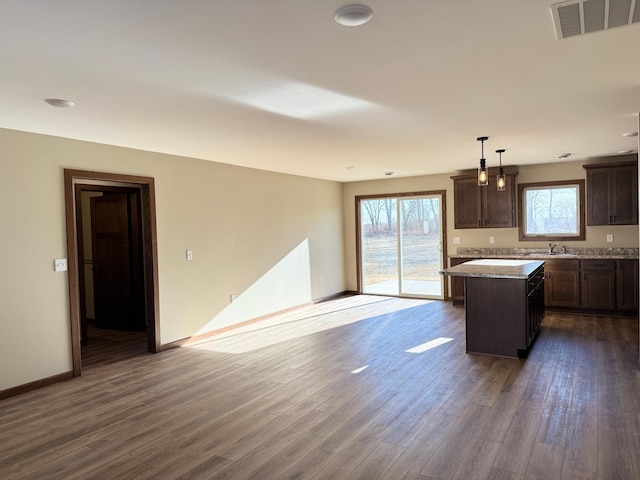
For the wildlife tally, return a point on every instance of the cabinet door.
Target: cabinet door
(627, 285)
(624, 195)
(597, 285)
(498, 208)
(562, 283)
(598, 210)
(612, 194)
(467, 203)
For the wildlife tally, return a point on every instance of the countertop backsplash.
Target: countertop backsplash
(571, 252)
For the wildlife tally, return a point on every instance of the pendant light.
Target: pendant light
(501, 180)
(483, 172)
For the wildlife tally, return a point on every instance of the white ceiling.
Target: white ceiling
(425, 77)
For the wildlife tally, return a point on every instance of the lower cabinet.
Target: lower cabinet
(598, 284)
(573, 284)
(535, 305)
(562, 283)
(627, 285)
(503, 315)
(457, 283)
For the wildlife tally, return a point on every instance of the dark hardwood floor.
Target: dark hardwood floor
(333, 392)
(106, 346)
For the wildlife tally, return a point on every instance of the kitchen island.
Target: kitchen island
(504, 304)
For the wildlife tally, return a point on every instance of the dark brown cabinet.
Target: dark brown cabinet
(562, 283)
(503, 315)
(612, 193)
(483, 207)
(572, 284)
(457, 283)
(627, 285)
(598, 284)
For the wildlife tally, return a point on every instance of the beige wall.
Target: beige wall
(266, 237)
(624, 235)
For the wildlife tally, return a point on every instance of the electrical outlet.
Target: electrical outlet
(59, 264)
(189, 254)
(456, 240)
(492, 240)
(321, 278)
(232, 297)
(609, 237)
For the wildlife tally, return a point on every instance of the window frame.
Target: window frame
(522, 187)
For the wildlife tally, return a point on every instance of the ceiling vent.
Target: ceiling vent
(577, 17)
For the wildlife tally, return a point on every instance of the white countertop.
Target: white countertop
(494, 268)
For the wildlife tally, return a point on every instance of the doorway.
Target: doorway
(401, 244)
(112, 257)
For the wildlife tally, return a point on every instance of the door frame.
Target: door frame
(359, 198)
(150, 254)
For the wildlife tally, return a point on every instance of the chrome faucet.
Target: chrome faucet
(554, 245)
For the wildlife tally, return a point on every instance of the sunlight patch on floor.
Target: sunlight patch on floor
(304, 321)
(361, 369)
(429, 345)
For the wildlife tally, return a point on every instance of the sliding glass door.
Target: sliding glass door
(401, 239)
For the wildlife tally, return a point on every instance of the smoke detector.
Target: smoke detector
(353, 15)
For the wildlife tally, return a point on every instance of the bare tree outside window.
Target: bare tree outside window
(552, 210)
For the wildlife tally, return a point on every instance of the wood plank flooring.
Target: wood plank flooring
(331, 391)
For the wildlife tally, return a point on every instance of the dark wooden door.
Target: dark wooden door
(116, 249)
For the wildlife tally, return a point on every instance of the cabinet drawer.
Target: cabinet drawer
(598, 265)
(564, 264)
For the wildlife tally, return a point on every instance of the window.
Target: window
(551, 210)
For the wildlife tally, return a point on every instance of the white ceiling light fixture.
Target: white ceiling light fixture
(59, 103)
(630, 134)
(353, 15)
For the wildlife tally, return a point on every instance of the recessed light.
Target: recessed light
(563, 156)
(59, 103)
(630, 134)
(353, 15)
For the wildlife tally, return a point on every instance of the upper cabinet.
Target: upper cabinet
(612, 193)
(484, 207)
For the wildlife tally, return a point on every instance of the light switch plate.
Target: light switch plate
(456, 240)
(189, 254)
(609, 237)
(59, 264)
